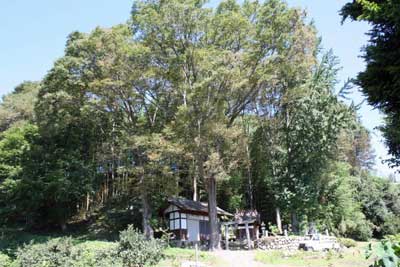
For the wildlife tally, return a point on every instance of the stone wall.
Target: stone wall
(280, 242)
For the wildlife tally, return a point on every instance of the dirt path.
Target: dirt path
(238, 258)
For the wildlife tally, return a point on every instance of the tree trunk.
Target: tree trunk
(212, 213)
(146, 213)
(195, 197)
(87, 201)
(248, 236)
(226, 237)
(278, 220)
(249, 179)
(295, 223)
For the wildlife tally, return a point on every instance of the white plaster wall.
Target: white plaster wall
(193, 230)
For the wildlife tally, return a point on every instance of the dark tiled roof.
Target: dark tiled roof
(196, 206)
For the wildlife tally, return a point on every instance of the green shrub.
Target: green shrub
(105, 258)
(96, 254)
(63, 253)
(133, 250)
(391, 226)
(136, 251)
(362, 231)
(347, 242)
(5, 261)
(56, 252)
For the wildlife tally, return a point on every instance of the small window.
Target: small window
(177, 220)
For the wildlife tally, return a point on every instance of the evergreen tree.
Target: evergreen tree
(380, 81)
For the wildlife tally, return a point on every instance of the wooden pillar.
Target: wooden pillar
(256, 231)
(278, 220)
(248, 235)
(226, 236)
(237, 232)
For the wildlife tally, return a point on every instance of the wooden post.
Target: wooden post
(256, 231)
(257, 236)
(226, 236)
(248, 235)
(197, 254)
(278, 220)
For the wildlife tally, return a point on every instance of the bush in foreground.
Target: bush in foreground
(133, 250)
(136, 251)
(56, 252)
(62, 253)
(5, 261)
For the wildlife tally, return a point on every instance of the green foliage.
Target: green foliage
(339, 209)
(18, 106)
(137, 251)
(361, 230)
(230, 193)
(385, 254)
(132, 250)
(5, 261)
(380, 202)
(15, 142)
(218, 61)
(292, 161)
(56, 252)
(63, 252)
(380, 80)
(347, 242)
(273, 228)
(379, 83)
(231, 102)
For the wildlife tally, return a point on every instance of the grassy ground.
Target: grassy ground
(175, 256)
(348, 258)
(353, 257)
(10, 240)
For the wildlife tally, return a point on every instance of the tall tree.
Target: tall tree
(294, 145)
(102, 95)
(216, 61)
(380, 81)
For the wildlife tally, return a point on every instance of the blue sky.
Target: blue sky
(33, 35)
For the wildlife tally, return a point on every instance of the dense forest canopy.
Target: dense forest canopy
(234, 105)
